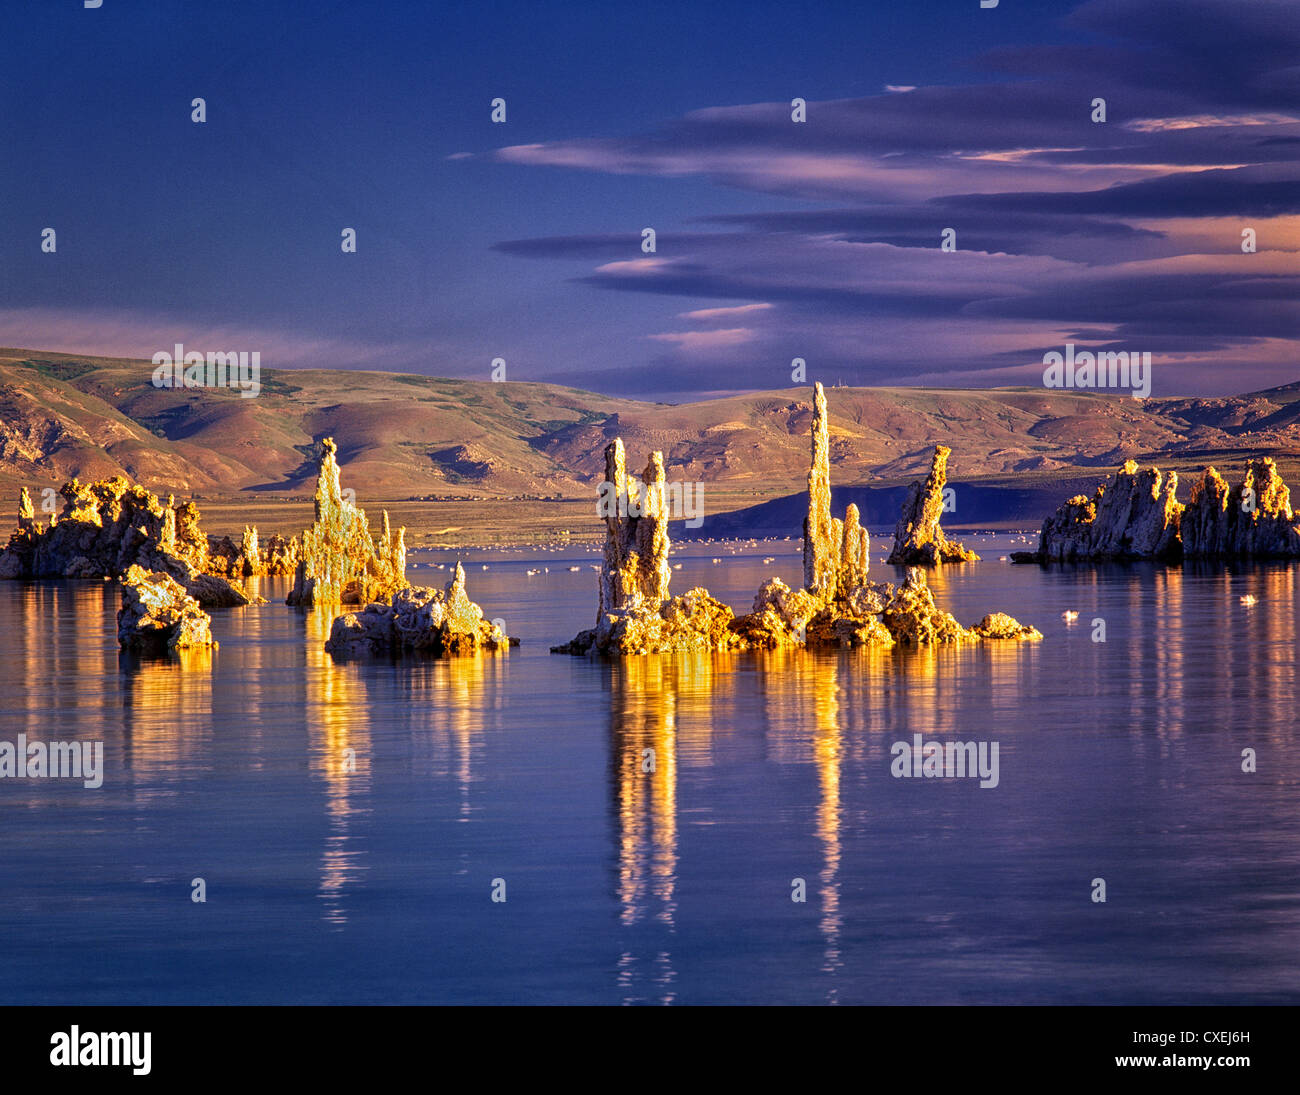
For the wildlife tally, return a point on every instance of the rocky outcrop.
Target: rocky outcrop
(839, 605)
(251, 557)
(158, 615)
(635, 573)
(339, 562)
(998, 625)
(1252, 519)
(279, 555)
(419, 620)
(919, 539)
(109, 526)
(1134, 515)
(16, 559)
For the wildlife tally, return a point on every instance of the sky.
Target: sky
(774, 239)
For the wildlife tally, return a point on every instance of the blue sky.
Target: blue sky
(775, 240)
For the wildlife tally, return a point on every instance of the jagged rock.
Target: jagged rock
(911, 615)
(237, 560)
(422, 620)
(187, 541)
(1252, 519)
(157, 614)
(339, 562)
(635, 614)
(280, 555)
(635, 574)
(15, 559)
(854, 554)
(835, 553)
(832, 628)
(1135, 515)
(822, 533)
(918, 538)
(838, 607)
(109, 526)
(998, 625)
(213, 591)
(779, 618)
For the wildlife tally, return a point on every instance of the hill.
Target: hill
(404, 436)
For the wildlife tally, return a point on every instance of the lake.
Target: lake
(648, 822)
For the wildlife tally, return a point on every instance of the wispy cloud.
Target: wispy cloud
(1065, 228)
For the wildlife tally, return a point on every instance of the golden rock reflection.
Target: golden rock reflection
(166, 719)
(837, 712)
(790, 707)
(663, 704)
(338, 720)
(644, 700)
(444, 737)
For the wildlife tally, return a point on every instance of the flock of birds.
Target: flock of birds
(733, 547)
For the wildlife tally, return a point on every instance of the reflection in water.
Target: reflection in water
(338, 719)
(441, 705)
(766, 765)
(649, 696)
(643, 755)
(166, 719)
(824, 702)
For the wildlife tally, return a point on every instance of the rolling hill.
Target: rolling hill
(407, 436)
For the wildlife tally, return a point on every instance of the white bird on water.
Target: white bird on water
(1069, 615)
(1249, 599)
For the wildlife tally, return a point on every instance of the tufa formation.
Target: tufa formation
(838, 606)
(419, 620)
(111, 525)
(1134, 515)
(158, 616)
(918, 538)
(339, 562)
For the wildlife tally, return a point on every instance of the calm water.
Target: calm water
(1118, 760)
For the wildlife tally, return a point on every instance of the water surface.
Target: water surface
(1118, 760)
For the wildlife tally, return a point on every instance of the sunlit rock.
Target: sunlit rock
(279, 555)
(635, 574)
(635, 614)
(919, 539)
(998, 625)
(157, 614)
(839, 606)
(1134, 515)
(16, 559)
(419, 620)
(339, 562)
(911, 615)
(106, 528)
(822, 533)
(1252, 519)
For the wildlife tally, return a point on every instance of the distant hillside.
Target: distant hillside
(404, 436)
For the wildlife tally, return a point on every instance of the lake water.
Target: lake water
(1118, 760)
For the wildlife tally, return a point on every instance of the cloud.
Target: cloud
(705, 341)
(724, 313)
(1123, 233)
